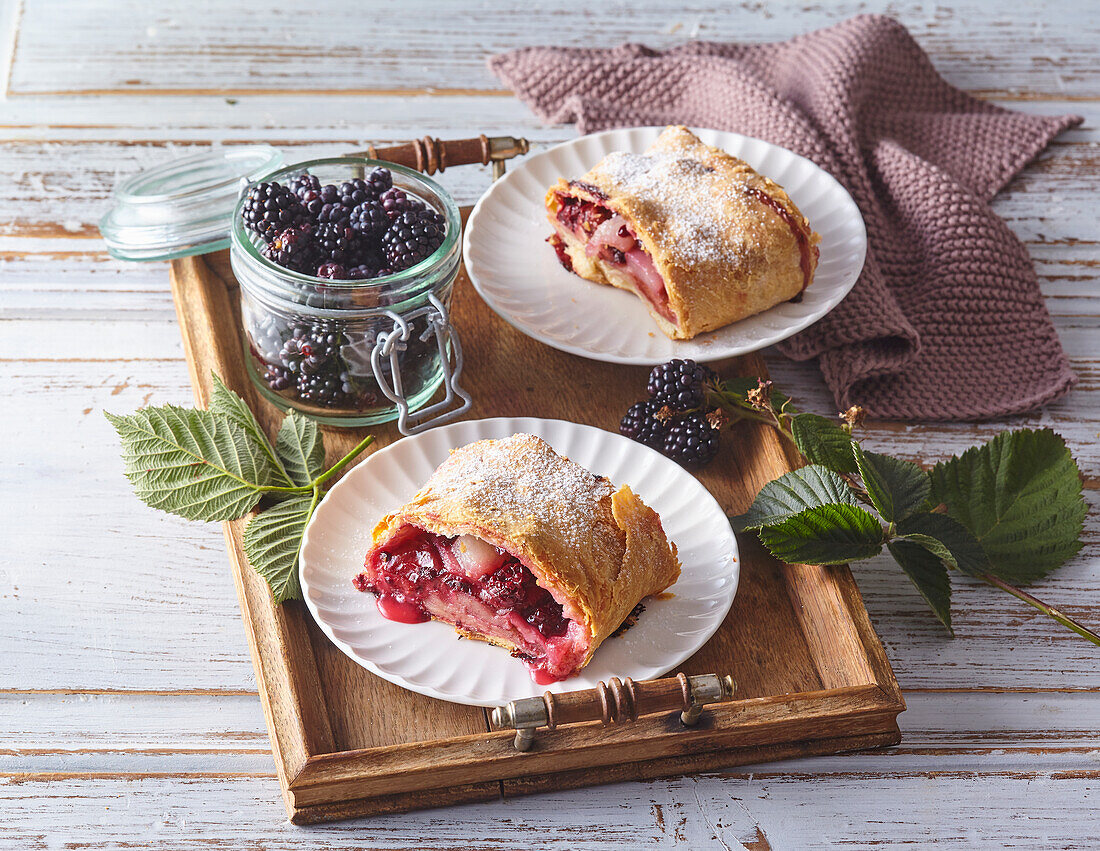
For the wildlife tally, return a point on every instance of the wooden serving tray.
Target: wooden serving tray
(811, 674)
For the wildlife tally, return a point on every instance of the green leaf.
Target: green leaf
(273, 542)
(197, 464)
(792, 493)
(227, 403)
(301, 448)
(1020, 496)
(823, 442)
(947, 539)
(927, 572)
(897, 488)
(827, 534)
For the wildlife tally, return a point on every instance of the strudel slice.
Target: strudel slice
(513, 544)
(695, 233)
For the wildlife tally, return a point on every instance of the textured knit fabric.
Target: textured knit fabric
(946, 321)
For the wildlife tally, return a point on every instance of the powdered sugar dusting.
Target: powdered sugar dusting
(702, 210)
(522, 476)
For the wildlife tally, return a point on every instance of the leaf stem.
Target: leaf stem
(741, 411)
(341, 464)
(1047, 610)
(280, 489)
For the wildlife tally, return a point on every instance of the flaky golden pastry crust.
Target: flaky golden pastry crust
(727, 241)
(598, 550)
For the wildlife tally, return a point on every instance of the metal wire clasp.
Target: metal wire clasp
(391, 344)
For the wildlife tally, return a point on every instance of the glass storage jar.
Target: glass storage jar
(354, 352)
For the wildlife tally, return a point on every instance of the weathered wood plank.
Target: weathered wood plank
(294, 118)
(1037, 807)
(331, 46)
(60, 188)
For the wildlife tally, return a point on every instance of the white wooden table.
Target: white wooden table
(128, 708)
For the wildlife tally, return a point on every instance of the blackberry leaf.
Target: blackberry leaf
(947, 539)
(273, 542)
(792, 493)
(1020, 496)
(827, 534)
(197, 464)
(301, 448)
(897, 488)
(927, 572)
(823, 442)
(227, 403)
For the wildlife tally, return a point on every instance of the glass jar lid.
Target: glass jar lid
(185, 206)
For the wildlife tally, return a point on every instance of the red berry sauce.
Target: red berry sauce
(419, 573)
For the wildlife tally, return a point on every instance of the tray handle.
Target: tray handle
(616, 702)
(431, 155)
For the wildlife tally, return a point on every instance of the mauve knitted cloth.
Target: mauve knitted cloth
(946, 321)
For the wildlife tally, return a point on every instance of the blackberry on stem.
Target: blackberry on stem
(271, 208)
(641, 423)
(680, 384)
(691, 441)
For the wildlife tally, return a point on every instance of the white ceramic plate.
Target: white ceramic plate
(430, 658)
(518, 275)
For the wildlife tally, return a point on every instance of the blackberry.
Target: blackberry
(354, 192)
(271, 208)
(679, 384)
(313, 195)
(335, 213)
(395, 202)
(304, 184)
(366, 271)
(278, 377)
(338, 243)
(333, 271)
(379, 180)
(640, 423)
(411, 237)
(310, 351)
(294, 249)
(325, 389)
(370, 219)
(691, 441)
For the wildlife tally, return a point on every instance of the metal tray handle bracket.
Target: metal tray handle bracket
(617, 702)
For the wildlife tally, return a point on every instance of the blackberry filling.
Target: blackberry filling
(478, 588)
(607, 236)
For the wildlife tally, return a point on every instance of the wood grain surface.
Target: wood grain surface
(130, 715)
